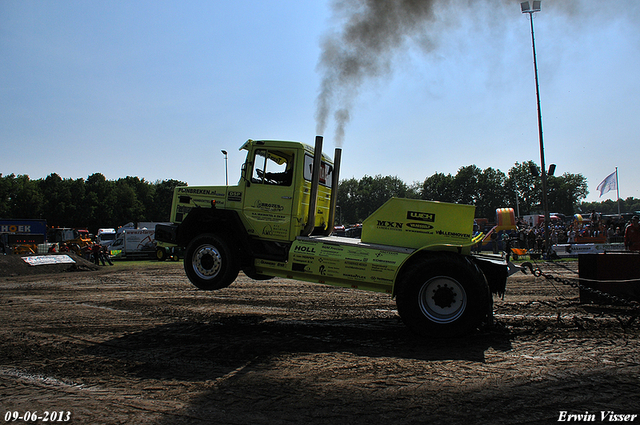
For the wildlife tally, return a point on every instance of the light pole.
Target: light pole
(226, 170)
(545, 205)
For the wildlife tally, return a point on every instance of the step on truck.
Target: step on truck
(278, 221)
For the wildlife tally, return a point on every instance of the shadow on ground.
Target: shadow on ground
(205, 351)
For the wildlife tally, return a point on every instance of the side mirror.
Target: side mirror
(243, 173)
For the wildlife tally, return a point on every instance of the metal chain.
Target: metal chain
(574, 283)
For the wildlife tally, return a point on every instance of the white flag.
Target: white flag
(609, 183)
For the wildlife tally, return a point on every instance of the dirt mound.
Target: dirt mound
(15, 265)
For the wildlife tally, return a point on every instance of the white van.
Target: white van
(106, 237)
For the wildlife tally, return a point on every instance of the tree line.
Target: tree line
(96, 202)
(92, 203)
(487, 189)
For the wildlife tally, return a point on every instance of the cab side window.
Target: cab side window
(326, 171)
(272, 167)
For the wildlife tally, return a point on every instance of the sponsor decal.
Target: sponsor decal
(332, 247)
(330, 261)
(453, 234)
(272, 264)
(234, 197)
(267, 206)
(421, 216)
(195, 191)
(355, 265)
(389, 224)
(380, 280)
(379, 268)
(302, 248)
(355, 276)
(268, 217)
(301, 257)
(420, 226)
(357, 252)
(331, 251)
(273, 231)
(363, 260)
(386, 254)
(377, 260)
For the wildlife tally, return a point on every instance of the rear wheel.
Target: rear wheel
(443, 296)
(210, 263)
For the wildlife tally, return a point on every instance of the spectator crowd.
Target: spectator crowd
(591, 229)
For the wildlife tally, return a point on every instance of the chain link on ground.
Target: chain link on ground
(632, 313)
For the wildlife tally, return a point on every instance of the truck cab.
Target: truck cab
(268, 208)
(105, 237)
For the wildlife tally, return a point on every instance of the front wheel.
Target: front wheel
(210, 263)
(443, 296)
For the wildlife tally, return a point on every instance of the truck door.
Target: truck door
(268, 200)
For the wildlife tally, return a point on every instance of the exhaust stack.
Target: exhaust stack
(334, 191)
(315, 182)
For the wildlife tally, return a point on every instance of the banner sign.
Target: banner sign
(41, 260)
(573, 250)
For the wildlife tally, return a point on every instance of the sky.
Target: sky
(157, 89)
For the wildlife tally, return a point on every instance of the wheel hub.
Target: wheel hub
(442, 299)
(444, 296)
(207, 262)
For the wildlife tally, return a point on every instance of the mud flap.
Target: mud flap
(495, 269)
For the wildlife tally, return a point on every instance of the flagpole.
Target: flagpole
(618, 190)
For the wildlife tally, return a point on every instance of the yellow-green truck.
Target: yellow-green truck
(278, 221)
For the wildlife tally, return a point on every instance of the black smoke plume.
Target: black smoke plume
(364, 49)
(373, 32)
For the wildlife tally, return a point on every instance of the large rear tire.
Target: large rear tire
(443, 295)
(209, 263)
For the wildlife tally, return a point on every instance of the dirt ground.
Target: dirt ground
(140, 344)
